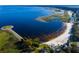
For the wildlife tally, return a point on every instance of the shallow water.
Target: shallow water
(23, 20)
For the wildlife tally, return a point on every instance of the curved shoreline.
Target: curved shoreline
(46, 38)
(62, 39)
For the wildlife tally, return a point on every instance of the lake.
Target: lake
(23, 18)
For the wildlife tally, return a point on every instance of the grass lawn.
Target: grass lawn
(4, 36)
(7, 42)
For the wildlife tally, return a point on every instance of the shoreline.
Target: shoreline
(60, 40)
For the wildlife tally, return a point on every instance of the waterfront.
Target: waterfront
(24, 20)
(36, 25)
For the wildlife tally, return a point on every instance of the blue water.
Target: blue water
(23, 20)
